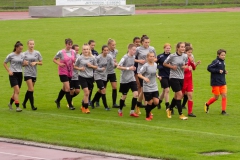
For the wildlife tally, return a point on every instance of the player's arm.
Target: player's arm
(213, 67)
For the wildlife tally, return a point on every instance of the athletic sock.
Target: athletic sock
(30, 95)
(60, 95)
(121, 104)
(114, 96)
(69, 99)
(167, 105)
(179, 106)
(104, 100)
(190, 106)
(210, 101)
(85, 105)
(26, 98)
(173, 103)
(139, 104)
(90, 95)
(17, 103)
(96, 97)
(11, 100)
(184, 102)
(74, 95)
(224, 104)
(148, 110)
(134, 102)
(153, 106)
(160, 101)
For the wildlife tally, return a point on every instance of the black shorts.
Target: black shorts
(141, 81)
(64, 78)
(86, 82)
(101, 84)
(124, 87)
(176, 84)
(34, 79)
(111, 77)
(16, 79)
(74, 84)
(150, 95)
(165, 82)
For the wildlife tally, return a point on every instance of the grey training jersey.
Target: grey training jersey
(177, 60)
(30, 70)
(141, 53)
(149, 71)
(59, 54)
(110, 68)
(82, 62)
(103, 62)
(75, 71)
(16, 61)
(127, 75)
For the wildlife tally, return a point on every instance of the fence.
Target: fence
(23, 4)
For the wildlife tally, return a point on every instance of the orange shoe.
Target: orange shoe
(83, 109)
(150, 116)
(148, 119)
(87, 111)
(134, 115)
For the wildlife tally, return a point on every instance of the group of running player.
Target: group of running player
(138, 72)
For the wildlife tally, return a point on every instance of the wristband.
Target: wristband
(127, 68)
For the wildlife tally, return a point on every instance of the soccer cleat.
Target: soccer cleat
(68, 105)
(192, 115)
(182, 117)
(18, 109)
(150, 116)
(148, 119)
(134, 115)
(10, 106)
(24, 105)
(83, 109)
(92, 105)
(107, 109)
(89, 103)
(115, 106)
(169, 115)
(97, 104)
(224, 113)
(138, 110)
(34, 108)
(58, 104)
(87, 111)
(72, 108)
(206, 108)
(120, 114)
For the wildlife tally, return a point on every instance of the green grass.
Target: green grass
(105, 131)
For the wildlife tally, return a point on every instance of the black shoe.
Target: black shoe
(115, 106)
(159, 106)
(24, 105)
(58, 104)
(192, 115)
(90, 103)
(224, 113)
(184, 107)
(72, 108)
(34, 108)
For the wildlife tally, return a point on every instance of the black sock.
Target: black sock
(104, 100)
(148, 110)
(134, 102)
(74, 95)
(30, 95)
(26, 98)
(11, 101)
(173, 103)
(85, 105)
(17, 104)
(97, 96)
(167, 105)
(90, 95)
(121, 104)
(60, 95)
(185, 99)
(139, 104)
(160, 101)
(69, 99)
(178, 103)
(153, 106)
(114, 96)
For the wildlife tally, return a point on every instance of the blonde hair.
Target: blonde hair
(110, 41)
(90, 52)
(30, 40)
(149, 54)
(166, 44)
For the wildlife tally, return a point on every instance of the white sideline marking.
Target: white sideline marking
(19, 155)
(134, 124)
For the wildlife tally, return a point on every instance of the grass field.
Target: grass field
(105, 131)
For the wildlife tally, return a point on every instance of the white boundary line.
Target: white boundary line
(19, 155)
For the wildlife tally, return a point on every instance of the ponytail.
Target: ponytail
(17, 44)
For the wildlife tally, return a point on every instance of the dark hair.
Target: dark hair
(104, 46)
(90, 41)
(188, 48)
(187, 44)
(17, 44)
(220, 51)
(68, 41)
(144, 37)
(130, 46)
(135, 38)
(179, 44)
(74, 46)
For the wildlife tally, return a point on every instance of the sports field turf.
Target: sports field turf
(105, 131)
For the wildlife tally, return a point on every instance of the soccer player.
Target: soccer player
(141, 54)
(65, 59)
(148, 73)
(188, 81)
(86, 63)
(137, 42)
(177, 63)
(127, 80)
(164, 73)
(218, 81)
(34, 58)
(100, 76)
(15, 73)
